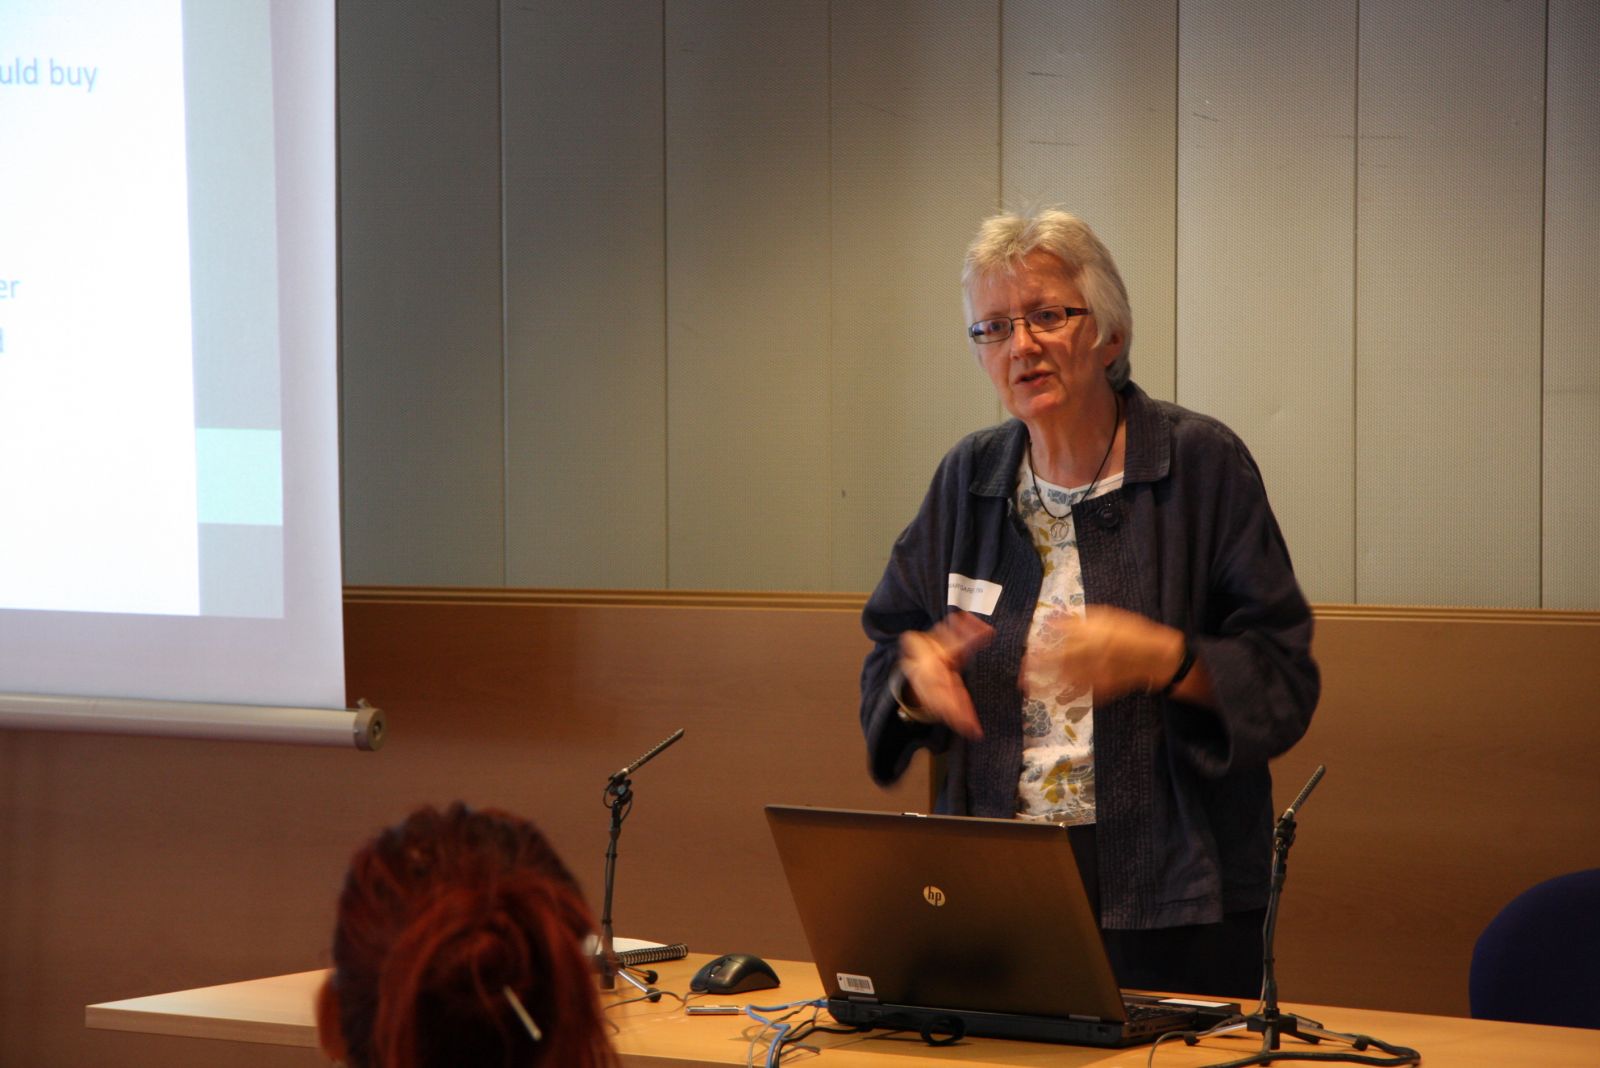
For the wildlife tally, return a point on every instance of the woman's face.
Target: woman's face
(1037, 375)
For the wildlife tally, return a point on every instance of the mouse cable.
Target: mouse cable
(654, 996)
(608, 1006)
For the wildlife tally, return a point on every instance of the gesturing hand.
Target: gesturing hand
(931, 662)
(1110, 649)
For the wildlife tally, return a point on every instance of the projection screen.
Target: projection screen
(169, 548)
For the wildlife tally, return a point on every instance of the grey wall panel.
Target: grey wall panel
(781, 194)
(914, 171)
(586, 466)
(747, 294)
(421, 371)
(1448, 292)
(1089, 122)
(1572, 310)
(1266, 273)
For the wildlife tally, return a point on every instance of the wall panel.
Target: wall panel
(914, 166)
(747, 294)
(130, 866)
(420, 263)
(1433, 816)
(1266, 272)
(1571, 576)
(1089, 122)
(586, 467)
(1348, 236)
(1449, 224)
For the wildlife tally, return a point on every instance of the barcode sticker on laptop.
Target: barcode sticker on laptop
(855, 984)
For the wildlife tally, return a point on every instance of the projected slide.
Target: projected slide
(169, 452)
(140, 449)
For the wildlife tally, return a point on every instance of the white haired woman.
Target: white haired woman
(1094, 617)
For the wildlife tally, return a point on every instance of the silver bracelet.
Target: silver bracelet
(908, 713)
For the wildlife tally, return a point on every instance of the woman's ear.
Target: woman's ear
(1113, 348)
(330, 1037)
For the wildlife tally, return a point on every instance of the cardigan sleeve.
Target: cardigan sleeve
(1253, 634)
(909, 596)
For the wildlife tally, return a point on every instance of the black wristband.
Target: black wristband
(1183, 670)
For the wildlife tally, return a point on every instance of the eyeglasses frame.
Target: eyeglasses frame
(1011, 320)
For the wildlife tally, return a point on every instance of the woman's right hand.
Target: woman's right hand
(931, 662)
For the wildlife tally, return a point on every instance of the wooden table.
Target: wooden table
(279, 1010)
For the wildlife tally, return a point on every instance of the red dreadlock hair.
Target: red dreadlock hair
(437, 918)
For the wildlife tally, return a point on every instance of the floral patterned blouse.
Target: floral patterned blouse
(1057, 780)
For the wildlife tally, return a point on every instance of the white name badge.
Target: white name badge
(972, 595)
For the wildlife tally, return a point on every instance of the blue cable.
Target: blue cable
(782, 1027)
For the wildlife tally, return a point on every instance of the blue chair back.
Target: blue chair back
(1538, 961)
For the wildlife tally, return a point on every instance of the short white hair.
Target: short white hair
(1005, 240)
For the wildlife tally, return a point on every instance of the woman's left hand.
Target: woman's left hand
(1113, 650)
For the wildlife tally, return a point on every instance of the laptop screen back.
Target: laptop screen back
(944, 911)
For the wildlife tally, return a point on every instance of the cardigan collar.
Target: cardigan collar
(1148, 451)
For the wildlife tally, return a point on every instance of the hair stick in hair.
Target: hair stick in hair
(522, 1014)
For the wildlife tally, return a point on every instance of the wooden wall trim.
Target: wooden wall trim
(1382, 613)
(579, 598)
(853, 602)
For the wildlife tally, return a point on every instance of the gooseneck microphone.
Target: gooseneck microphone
(642, 761)
(1305, 792)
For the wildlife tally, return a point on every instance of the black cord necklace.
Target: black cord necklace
(1032, 474)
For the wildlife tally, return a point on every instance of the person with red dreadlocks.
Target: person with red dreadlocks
(460, 941)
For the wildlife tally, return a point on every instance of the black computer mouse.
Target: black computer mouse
(734, 973)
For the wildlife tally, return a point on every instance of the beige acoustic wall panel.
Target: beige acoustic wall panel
(419, 196)
(914, 131)
(747, 294)
(1448, 265)
(586, 459)
(1266, 273)
(1571, 576)
(1088, 122)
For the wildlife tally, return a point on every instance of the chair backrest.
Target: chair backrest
(1538, 960)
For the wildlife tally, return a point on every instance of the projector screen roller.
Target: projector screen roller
(168, 357)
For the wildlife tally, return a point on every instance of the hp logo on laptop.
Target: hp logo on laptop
(933, 896)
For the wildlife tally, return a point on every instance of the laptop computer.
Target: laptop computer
(959, 925)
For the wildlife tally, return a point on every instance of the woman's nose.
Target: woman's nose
(1023, 342)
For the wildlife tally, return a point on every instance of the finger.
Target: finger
(962, 717)
(922, 648)
(942, 694)
(974, 630)
(963, 634)
(1106, 613)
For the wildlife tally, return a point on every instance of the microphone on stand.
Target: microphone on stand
(642, 761)
(1300, 799)
(619, 799)
(1270, 1022)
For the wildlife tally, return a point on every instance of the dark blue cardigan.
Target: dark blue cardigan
(1183, 794)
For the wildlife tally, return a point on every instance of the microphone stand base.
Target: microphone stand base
(1275, 1026)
